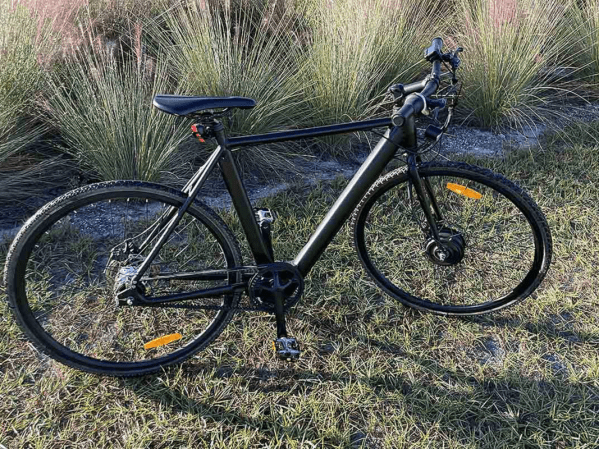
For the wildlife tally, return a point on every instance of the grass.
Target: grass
(240, 48)
(100, 103)
(306, 62)
(21, 77)
(510, 49)
(20, 71)
(358, 48)
(373, 374)
(585, 24)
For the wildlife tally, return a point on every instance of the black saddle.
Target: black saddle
(184, 105)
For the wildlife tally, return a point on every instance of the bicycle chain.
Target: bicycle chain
(208, 307)
(244, 270)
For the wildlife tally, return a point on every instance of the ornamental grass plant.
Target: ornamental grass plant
(100, 101)
(306, 62)
(22, 42)
(584, 20)
(510, 50)
(241, 49)
(358, 48)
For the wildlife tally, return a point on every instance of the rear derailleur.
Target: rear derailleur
(122, 267)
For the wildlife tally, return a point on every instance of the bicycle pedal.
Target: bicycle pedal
(286, 349)
(264, 214)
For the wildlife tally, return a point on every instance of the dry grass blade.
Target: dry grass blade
(511, 48)
(102, 106)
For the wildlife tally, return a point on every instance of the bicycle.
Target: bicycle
(127, 277)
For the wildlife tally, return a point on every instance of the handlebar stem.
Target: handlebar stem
(414, 104)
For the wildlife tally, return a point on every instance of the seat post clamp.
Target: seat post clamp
(197, 131)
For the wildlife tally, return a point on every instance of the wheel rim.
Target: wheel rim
(67, 258)
(501, 251)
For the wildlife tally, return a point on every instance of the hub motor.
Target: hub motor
(448, 250)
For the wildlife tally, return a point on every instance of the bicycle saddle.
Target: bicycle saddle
(185, 105)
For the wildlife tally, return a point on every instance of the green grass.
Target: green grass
(101, 105)
(585, 27)
(358, 48)
(372, 371)
(22, 44)
(510, 50)
(306, 62)
(240, 49)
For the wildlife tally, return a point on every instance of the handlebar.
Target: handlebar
(417, 101)
(419, 92)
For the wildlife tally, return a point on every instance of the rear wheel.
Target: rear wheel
(494, 245)
(68, 260)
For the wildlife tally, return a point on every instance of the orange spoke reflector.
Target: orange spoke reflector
(161, 341)
(461, 190)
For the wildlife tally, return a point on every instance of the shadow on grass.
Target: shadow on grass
(508, 408)
(548, 328)
(179, 401)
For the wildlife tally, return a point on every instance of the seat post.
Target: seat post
(219, 132)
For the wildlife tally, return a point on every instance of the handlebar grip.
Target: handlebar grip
(433, 52)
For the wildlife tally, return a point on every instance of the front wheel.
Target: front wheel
(493, 246)
(69, 260)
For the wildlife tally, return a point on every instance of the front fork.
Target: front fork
(427, 200)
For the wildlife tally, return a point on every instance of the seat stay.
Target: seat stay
(201, 177)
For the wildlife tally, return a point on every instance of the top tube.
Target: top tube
(304, 133)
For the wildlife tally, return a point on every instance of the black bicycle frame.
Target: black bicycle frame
(394, 138)
(341, 210)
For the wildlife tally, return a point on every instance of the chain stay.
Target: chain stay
(209, 307)
(243, 270)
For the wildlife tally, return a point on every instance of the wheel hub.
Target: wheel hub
(448, 250)
(123, 275)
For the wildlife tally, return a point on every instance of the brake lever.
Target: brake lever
(455, 60)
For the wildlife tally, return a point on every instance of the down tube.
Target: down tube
(368, 173)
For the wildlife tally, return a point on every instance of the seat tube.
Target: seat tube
(244, 208)
(219, 133)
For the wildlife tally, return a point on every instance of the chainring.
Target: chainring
(261, 284)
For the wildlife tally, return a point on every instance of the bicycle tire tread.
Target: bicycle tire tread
(498, 178)
(43, 213)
